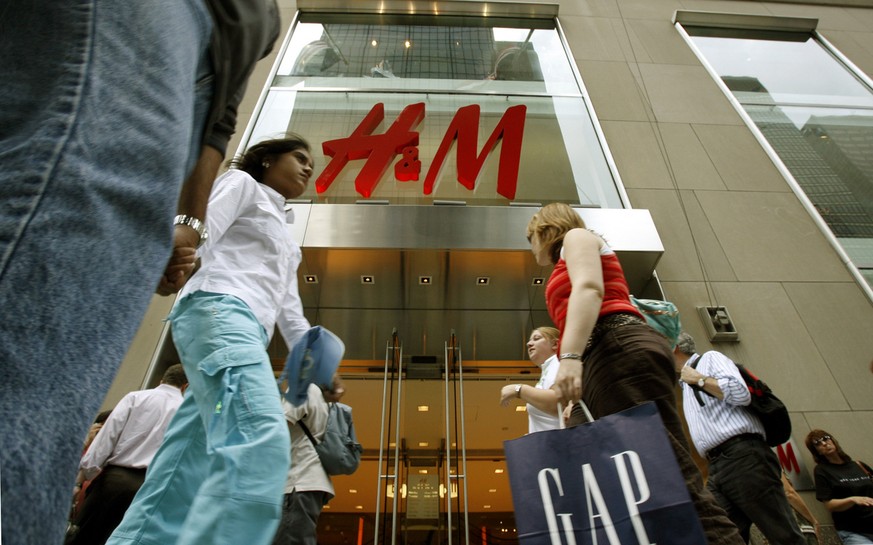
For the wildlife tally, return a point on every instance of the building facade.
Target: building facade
(728, 176)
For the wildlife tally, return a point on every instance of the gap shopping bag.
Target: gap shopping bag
(614, 481)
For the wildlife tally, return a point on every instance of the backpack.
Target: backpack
(765, 405)
(339, 450)
(662, 316)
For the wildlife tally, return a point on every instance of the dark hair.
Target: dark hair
(818, 434)
(102, 416)
(175, 376)
(252, 161)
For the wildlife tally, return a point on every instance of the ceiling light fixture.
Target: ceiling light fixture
(425, 280)
(310, 279)
(367, 279)
(483, 280)
(538, 281)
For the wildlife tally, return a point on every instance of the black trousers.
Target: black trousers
(631, 365)
(106, 500)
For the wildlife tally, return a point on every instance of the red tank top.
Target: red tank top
(616, 294)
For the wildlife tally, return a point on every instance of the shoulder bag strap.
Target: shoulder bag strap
(307, 432)
(694, 387)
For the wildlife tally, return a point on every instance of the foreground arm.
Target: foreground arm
(582, 256)
(797, 503)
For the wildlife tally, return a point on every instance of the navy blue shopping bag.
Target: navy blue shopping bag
(612, 481)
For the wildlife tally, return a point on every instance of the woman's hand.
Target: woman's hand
(568, 382)
(182, 262)
(507, 393)
(862, 500)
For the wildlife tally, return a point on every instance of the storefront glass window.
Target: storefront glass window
(815, 113)
(484, 111)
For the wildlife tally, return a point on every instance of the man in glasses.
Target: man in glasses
(744, 474)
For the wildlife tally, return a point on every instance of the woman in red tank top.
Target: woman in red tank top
(609, 357)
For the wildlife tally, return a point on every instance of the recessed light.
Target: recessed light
(359, 507)
(492, 490)
(422, 471)
(538, 281)
(498, 470)
(425, 280)
(486, 507)
(367, 279)
(423, 408)
(521, 408)
(310, 279)
(423, 444)
(352, 491)
(483, 281)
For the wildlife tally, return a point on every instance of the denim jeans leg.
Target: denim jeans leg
(851, 538)
(96, 124)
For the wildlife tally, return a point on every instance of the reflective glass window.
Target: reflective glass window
(357, 74)
(815, 113)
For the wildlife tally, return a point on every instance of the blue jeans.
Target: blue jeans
(747, 481)
(851, 538)
(219, 475)
(98, 117)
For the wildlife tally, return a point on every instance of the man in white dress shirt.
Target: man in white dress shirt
(744, 474)
(120, 454)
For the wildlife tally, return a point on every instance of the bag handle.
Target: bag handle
(562, 425)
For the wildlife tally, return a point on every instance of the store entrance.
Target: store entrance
(433, 469)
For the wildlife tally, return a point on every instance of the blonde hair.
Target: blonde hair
(550, 333)
(551, 223)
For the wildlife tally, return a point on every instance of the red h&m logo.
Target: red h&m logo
(787, 458)
(380, 150)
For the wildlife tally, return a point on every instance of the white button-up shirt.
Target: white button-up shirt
(134, 430)
(258, 257)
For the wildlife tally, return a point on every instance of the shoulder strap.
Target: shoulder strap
(695, 387)
(863, 467)
(307, 432)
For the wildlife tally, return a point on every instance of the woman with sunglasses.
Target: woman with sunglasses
(844, 486)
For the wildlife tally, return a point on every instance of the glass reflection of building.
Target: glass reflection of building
(821, 127)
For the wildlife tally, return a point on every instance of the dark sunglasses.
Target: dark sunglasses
(821, 440)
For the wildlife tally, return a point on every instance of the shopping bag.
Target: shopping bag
(613, 481)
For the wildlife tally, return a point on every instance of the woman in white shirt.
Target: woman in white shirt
(542, 401)
(217, 477)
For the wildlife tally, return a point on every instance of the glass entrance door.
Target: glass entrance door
(422, 478)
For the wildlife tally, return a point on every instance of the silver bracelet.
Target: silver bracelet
(571, 356)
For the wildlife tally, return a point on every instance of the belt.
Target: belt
(718, 450)
(608, 323)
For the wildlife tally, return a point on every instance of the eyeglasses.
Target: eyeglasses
(821, 440)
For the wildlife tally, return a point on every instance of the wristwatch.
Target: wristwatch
(518, 390)
(702, 382)
(193, 223)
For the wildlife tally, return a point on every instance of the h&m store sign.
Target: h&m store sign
(401, 139)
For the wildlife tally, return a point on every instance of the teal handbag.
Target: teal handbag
(663, 316)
